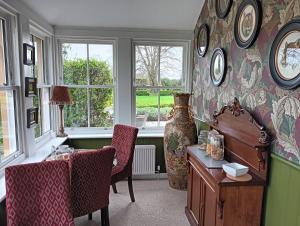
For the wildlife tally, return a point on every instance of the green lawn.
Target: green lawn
(152, 101)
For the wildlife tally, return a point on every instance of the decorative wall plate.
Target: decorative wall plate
(218, 67)
(223, 8)
(202, 40)
(247, 23)
(284, 59)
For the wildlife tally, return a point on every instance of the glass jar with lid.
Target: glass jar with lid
(202, 139)
(217, 147)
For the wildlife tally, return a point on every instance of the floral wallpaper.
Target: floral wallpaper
(248, 76)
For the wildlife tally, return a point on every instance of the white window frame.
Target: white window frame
(185, 78)
(13, 83)
(113, 42)
(35, 31)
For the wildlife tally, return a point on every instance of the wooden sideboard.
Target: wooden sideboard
(215, 200)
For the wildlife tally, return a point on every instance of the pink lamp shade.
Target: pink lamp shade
(60, 95)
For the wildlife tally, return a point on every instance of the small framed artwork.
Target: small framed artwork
(28, 54)
(30, 87)
(32, 117)
(202, 40)
(223, 8)
(218, 67)
(247, 23)
(284, 58)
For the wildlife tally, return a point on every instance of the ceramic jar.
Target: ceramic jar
(180, 131)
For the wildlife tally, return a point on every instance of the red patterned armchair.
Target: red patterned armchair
(38, 194)
(90, 182)
(123, 141)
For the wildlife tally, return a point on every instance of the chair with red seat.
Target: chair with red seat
(90, 182)
(38, 194)
(124, 138)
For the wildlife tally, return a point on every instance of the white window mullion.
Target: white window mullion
(88, 89)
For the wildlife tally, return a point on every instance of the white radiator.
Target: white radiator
(144, 160)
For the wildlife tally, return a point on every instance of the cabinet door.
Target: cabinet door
(210, 206)
(201, 199)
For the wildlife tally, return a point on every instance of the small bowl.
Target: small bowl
(235, 169)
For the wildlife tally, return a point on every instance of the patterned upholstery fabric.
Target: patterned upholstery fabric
(90, 180)
(38, 194)
(123, 141)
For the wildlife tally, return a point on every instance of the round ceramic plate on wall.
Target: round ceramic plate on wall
(223, 8)
(202, 40)
(218, 67)
(247, 23)
(285, 56)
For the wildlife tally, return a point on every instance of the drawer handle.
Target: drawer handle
(221, 209)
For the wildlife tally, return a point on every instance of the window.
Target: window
(41, 101)
(88, 72)
(8, 135)
(159, 70)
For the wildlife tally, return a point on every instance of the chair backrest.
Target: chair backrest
(123, 141)
(38, 194)
(90, 180)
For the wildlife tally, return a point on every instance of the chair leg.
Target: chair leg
(114, 188)
(104, 216)
(90, 216)
(131, 189)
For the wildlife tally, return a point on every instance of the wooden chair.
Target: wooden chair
(123, 141)
(90, 182)
(38, 194)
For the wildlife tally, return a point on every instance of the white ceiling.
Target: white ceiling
(157, 14)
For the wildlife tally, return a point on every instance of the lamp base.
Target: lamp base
(61, 134)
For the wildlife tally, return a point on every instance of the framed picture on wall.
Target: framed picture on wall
(223, 8)
(28, 54)
(202, 40)
(218, 67)
(30, 87)
(284, 59)
(247, 23)
(32, 117)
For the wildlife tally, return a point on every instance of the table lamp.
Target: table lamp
(60, 97)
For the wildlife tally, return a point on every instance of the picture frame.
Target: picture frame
(247, 23)
(32, 117)
(284, 59)
(223, 8)
(30, 87)
(202, 40)
(28, 54)
(218, 66)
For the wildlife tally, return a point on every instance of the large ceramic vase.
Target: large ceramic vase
(180, 132)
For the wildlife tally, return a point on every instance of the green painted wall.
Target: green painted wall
(96, 143)
(283, 194)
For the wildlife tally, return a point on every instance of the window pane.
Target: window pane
(147, 65)
(146, 108)
(2, 54)
(101, 108)
(75, 63)
(45, 110)
(166, 103)
(171, 66)
(76, 114)
(39, 59)
(36, 103)
(7, 124)
(100, 64)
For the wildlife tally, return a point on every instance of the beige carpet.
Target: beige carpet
(156, 205)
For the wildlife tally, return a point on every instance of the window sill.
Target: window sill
(109, 135)
(38, 156)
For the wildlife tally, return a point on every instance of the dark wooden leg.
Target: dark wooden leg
(114, 188)
(131, 189)
(90, 216)
(104, 216)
